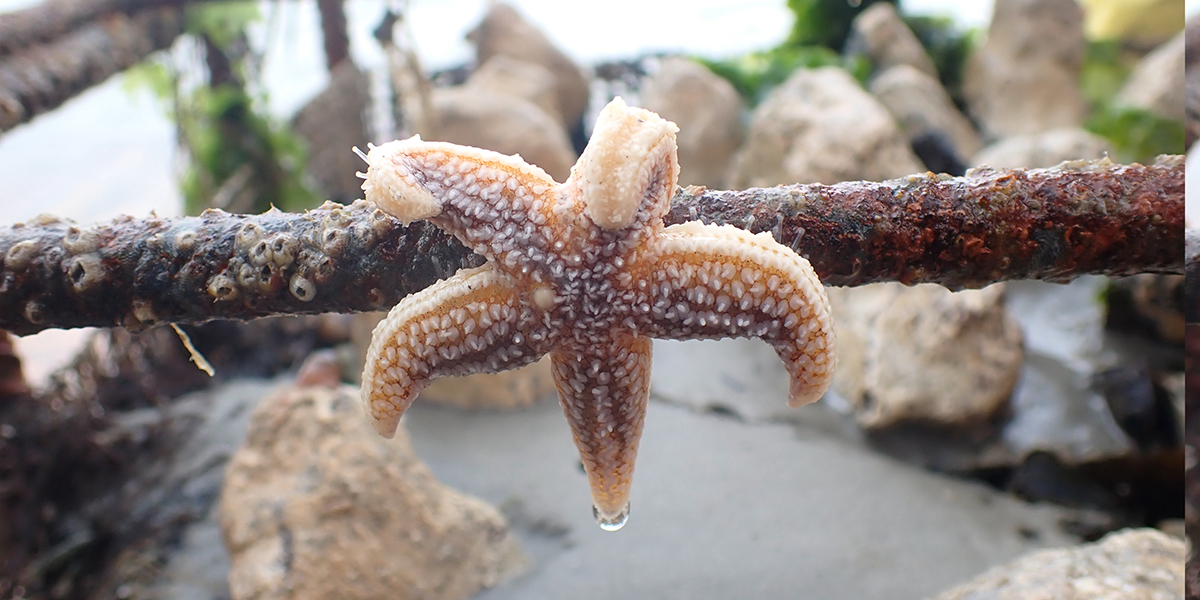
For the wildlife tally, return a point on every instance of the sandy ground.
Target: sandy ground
(727, 507)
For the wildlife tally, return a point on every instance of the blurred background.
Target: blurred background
(967, 431)
(125, 118)
(119, 130)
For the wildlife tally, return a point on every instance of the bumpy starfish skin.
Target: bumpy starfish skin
(584, 271)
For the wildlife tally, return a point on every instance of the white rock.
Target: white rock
(821, 126)
(504, 123)
(316, 505)
(924, 354)
(1157, 83)
(1025, 77)
(1041, 150)
(504, 31)
(921, 106)
(1142, 564)
(521, 78)
(882, 35)
(708, 112)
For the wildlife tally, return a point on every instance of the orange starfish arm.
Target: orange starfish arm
(712, 281)
(495, 204)
(604, 386)
(473, 322)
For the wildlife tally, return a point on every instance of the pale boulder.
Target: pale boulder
(521, 78)
(1157, 83)
(1025, 78)
(882, 36)
(503, 123)
(820, 126)
(708, 112)
(504, 31)
(925, 355)
(1041, 150)
(317, 505)
(1133, 564)
(922, 107)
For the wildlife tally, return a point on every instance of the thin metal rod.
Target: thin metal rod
(1079, 218)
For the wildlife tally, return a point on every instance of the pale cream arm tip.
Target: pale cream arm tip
(391, 185)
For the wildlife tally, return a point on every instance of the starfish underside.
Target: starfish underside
(586, 272)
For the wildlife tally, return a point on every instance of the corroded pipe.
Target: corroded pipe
(963, 232)
(1055, 224)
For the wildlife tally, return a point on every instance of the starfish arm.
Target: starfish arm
(497, 205)
(586, 272)
(473, 322)
(629, 170)
(712, 281)
(604, 386)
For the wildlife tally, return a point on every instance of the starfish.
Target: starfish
(586, 272)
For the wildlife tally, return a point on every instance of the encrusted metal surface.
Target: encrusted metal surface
(1078, 218)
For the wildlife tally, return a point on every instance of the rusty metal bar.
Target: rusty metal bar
(1055, 224)
(962, 232)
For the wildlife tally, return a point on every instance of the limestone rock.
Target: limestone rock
(331, 124)
(1157, 83)
(1133, 564)
(504, 123)
(882, 35)
(925, 354)
(1041, 150)
(316, 505)
(1025, 77)
(521, 78)
(504, 31)
(921, 106)
(518, 388)
(821, 126)
(709, 114)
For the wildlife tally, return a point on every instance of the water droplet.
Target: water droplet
(614, 522)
